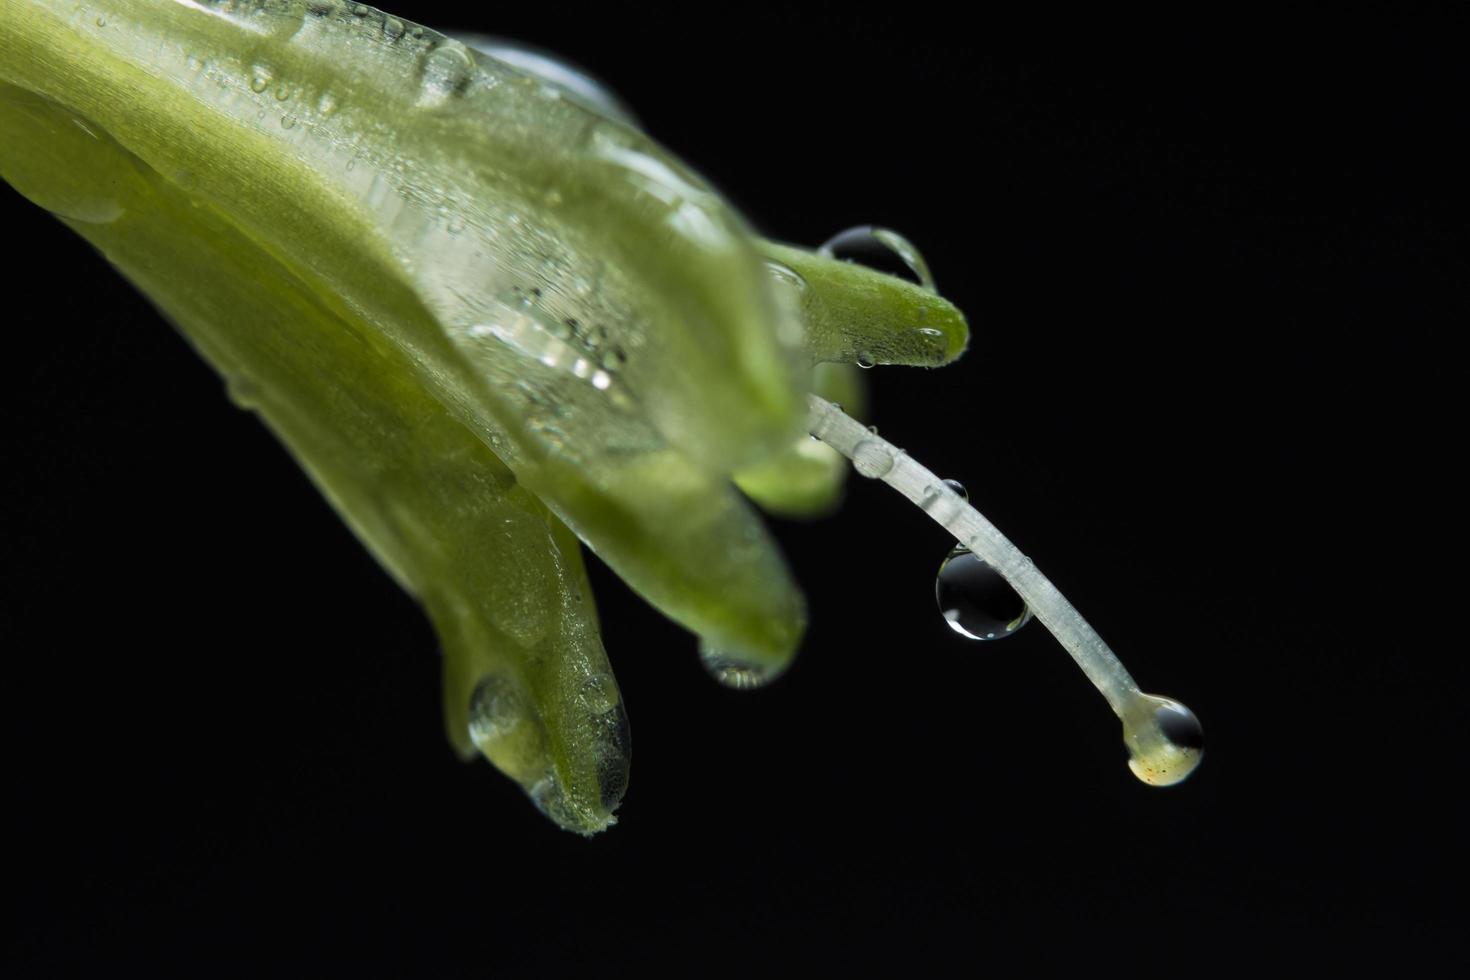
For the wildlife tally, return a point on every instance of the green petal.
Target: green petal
(853, 313)
(571, 294)
(500, 576)
(806, 480)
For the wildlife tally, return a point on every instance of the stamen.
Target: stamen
(1158, 757)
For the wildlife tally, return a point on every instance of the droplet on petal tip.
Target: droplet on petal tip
(882, 250)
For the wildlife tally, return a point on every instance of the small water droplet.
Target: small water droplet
(864, 361)
(101, 21)
(786, 275)
(596, 337)
(1164, 738)
(447, 71)
(243, 392)
(283, 91)
(361, 10)
(881, 249)
(613, 360)
(393, 28)
(326, 105)
(958, 488)
(601, 693)
(734, 672)
(288, 122)
(871, 459)
(931, 331)
(260, 80)
(976, 600)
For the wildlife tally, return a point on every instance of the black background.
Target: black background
(1197, 259)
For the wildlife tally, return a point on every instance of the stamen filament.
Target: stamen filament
(876, 457)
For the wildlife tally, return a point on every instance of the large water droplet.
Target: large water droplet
(504, 726)
(1165, 740)
(872, 459)
(958, 488)
(735, 672)
(882, 249)
(569, 80)
(976, 600)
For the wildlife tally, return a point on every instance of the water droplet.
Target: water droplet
(786, 276)
(596, 337)
(871, 459)
(101, 21)
(613, 359)
(92, 196)
(601, 693)
(958, 488)
(790, 291)
(361, 10)
(288, 122)
(881, 249)
(447, 71)
(566, 79)
(393, 28)
(735, 672)
(260, 80)
(499, 711)
(326, 105)
(283, 91)
(1165, 740)
(243, 392)
(976, 600)
(509, 732)
(864, 361)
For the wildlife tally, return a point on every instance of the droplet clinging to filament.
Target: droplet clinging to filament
(976, 600)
